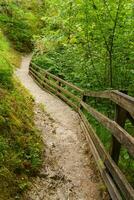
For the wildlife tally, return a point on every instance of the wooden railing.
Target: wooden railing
(117, 184)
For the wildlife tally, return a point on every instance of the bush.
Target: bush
(17, 28)
(5, 74)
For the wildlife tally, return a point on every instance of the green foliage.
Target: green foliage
(5, 66)
(126, 163)
(19, 23)
(88, 42)
(20, 145)
(5, 74)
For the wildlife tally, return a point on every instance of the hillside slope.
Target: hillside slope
(20, 145)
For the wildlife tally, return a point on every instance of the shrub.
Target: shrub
(17, 28)
(5, 74)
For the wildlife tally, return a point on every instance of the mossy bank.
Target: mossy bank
(20, 143)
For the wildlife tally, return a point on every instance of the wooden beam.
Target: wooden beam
(123, 100)
(119, 98)
(121, 116)
(99, 151)
(46, 85)
(50, 83)
(33, 65)
(114, 193)
(113, 169)
(74, 97)
(42, 84)
(104, 94)
(66, 100)
(118, 132)
(38, 73)
(59, 79)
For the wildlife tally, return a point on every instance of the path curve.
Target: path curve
(68, 171)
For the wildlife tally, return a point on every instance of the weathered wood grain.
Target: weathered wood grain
(123, 100)
(120, 118)
(60, 80)
(118, 132)
(115, 172)
(113, 177)
(38, 76)
(114, 193)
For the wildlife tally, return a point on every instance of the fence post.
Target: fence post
(121, 116)
(84, 99)
(59, 84)
(46, 76)
(29, 69)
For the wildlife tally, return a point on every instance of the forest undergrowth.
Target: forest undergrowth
(20, 143)
(88, 43)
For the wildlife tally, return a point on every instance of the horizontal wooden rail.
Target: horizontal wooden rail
(120, 134)
(114, 179)
(119, 98)
(66, 92)
(59, 79)
(114, 193)
(117, 175)
(49, 82)
(46, 85)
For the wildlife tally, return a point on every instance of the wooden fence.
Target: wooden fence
(117, 184)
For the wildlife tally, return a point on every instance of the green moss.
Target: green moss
(20, 143)
(7, 53)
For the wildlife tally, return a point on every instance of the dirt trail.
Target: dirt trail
(68, 170)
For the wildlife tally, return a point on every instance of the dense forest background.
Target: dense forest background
(87, 42)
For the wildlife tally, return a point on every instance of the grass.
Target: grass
(11, 56)
(20, 143)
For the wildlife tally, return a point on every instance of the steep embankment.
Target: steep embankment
(20, 147)
(68, 169)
